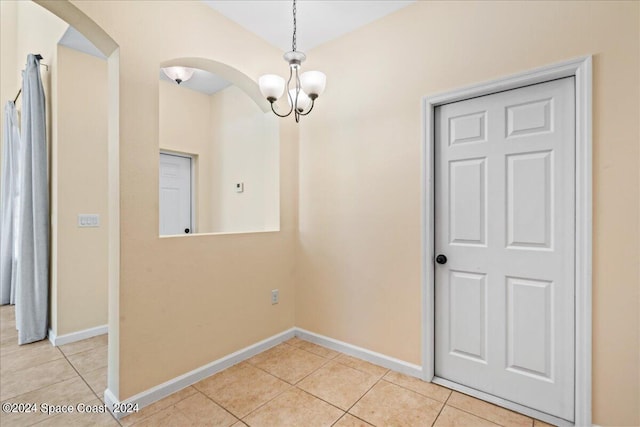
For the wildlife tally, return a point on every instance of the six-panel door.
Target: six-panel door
(505, 219)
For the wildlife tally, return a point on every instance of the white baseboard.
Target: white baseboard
(167, 388)
(362, 353)
(57, 340)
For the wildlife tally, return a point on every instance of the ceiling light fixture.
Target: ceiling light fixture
(308, 85)
(178, 74)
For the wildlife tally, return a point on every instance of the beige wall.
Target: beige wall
(8, 77)
(26, 28)
(186, 301)
(245, 149)
(185, 127)
(79, 281)
(37, 31)
(359, 254)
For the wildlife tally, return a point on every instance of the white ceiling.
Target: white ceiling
(73, 39)
(318, 21)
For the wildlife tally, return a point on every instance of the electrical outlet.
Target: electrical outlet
(275, 295)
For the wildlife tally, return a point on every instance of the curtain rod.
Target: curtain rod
(39, 57)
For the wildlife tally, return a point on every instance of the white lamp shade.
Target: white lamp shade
(304, 102)
(179, 73)
(313, 82)
(271, 86)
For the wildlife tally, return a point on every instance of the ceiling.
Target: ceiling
(318, 21)
(73, 39)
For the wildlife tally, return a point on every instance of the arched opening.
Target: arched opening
(236, 77)
(69, 13)
(219, 146)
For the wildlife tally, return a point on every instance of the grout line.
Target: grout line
(160, 409)
(289, 384)
(312, 372)
(363, 395)
(87, 384)
(268, 401)
(44, 386)
(339, 418)
(387, 370)
(483, 418)
(441, 409)
(417, 392)
(258, 407)
(217, 404)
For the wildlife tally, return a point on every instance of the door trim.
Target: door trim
(581, 69)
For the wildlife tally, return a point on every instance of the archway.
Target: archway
(69, 13)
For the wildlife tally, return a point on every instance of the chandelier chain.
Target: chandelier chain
(293, 43)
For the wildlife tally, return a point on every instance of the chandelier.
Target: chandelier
(308, 85)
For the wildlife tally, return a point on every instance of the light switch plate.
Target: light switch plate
(88, 220)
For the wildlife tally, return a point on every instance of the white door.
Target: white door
(175, 194)
(504, 219)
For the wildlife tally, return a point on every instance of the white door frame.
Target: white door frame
(580, 68)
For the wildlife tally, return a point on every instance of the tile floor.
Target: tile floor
(296, 383)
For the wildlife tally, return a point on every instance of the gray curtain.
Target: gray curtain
(32, 287)
(9, 205)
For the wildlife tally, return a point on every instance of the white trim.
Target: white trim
(361, 353)
(581, 68)
(57, 340)
(167, 388)
(533, 413)
(113, 176)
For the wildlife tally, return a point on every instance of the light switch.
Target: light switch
(240, 187)
(88, 220)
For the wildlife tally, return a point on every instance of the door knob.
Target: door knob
(441, 259)
(186, 230)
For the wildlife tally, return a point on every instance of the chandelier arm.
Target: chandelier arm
(307, 113)
(289, 95)
(295, 104)
(279, 115)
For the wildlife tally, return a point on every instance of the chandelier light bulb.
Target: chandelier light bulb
(313, 83)
(303, 104)
(271, 86)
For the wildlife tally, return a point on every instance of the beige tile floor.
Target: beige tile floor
(296, 383)
(42, 374)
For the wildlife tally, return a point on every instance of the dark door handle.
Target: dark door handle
(441, 259)
(186, 230)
